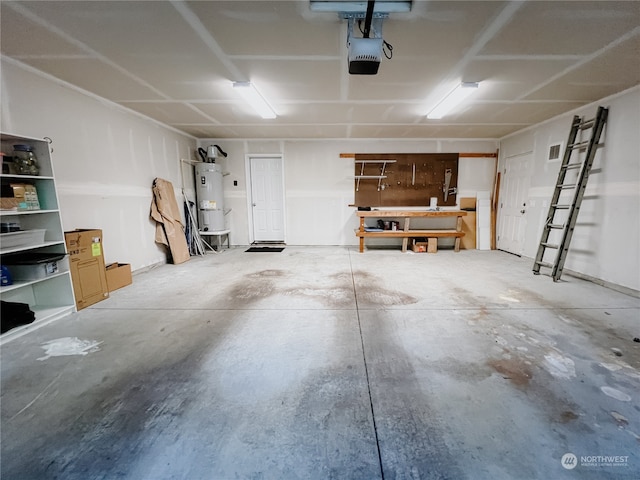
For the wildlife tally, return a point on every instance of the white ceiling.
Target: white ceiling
(174, 61)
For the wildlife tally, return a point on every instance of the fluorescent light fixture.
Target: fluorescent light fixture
(250, 95)
(453, 99)
(390, 6)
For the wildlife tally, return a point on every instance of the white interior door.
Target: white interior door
(267, 198)
(513, 203)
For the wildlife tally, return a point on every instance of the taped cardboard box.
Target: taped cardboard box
(118, 276)
(419, 245)
(86, 260)
(425, 245)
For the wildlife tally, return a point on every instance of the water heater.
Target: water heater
(210, 197)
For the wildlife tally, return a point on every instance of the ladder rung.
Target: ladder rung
(556, 226)
(571, 166)
(587, 124)
(545, 264)
(564, 187)
(579, 145)
(583, 145)
(550, 245)
(557, 206)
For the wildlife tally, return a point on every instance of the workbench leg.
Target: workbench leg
(361, 244)
(456, 247)
(405, 240)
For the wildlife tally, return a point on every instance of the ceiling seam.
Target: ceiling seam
(198, 27)
(517, 57)
(294, 58)
(197, 110)
(630, 34)
(503, 18)
(77, 43)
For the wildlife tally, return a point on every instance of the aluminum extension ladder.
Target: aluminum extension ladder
(570, 205)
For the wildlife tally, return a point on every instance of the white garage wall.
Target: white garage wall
(319, 184)
(105, 159)
(606, 241)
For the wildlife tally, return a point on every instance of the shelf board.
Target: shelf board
(375, 161)
(25, 177)
(26, 212)
(411, 213)
(45, 314)
(411, 233)
(26, 283)
(23, 248)
(371, 176)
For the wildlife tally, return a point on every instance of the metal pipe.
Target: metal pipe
(368, 18)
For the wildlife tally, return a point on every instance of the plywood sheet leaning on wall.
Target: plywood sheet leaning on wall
(169, 228)
(405, 179)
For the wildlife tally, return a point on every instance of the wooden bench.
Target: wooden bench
(407, 232)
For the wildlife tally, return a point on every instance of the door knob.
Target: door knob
(253, 204)
(521, 211)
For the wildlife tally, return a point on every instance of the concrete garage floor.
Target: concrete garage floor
(322, 363)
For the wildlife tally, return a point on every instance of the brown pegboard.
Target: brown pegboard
(411, 179)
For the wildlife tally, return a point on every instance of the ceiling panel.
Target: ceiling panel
(428, 131)
(394, 82)
(564, 27)
(439, 29)
(96, 77)
(294, 80)
(256, 28)
(121, 29)
(207, 131)
(20, 36)
(598, 78)
(521, 114)
(510, 79)
(289, 131)
(169, 112)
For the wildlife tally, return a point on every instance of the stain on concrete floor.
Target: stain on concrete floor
(270, 382)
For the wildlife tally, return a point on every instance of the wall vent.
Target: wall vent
(555, 150)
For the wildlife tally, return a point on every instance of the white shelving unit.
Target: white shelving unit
(50, 297)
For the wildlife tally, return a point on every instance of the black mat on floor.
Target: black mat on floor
(265, 249)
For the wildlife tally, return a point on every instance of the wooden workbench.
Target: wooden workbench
(406, 231)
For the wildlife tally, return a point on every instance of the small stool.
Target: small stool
(218, 234)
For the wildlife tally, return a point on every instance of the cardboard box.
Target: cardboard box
(118, 276)
(468, 223)
(88, 272)
(419, 245)
(428, 245)
(468, 203)
(26, 195)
